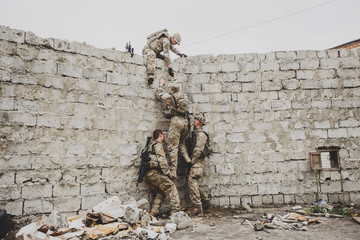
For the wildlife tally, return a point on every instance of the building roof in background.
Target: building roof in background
(349, 45)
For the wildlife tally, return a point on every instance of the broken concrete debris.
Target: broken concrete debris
(109, 218)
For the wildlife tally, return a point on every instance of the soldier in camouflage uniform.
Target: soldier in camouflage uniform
(176, 109)
(157, 176)
(159, 42)
(198, 197)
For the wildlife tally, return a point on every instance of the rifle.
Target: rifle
(144, 165)
(129, 49)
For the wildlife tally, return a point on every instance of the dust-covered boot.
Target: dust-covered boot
(206, 204)
(150, 80)
(196, 211)
(155, 211)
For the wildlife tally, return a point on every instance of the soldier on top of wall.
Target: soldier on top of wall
(198, 197)
(159, 42)
(157, 176)
(176, 109)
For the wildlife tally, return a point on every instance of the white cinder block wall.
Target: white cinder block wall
(74, 119)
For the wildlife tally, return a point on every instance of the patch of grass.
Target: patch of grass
(342, 210)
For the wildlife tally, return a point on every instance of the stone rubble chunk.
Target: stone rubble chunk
(132, 214)
(144, 204)
(182, 220)
(56, 221)
(170, 227)
(150, 233)
(247, 207)
(111, 207)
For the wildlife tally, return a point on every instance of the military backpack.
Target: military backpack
(208, 150)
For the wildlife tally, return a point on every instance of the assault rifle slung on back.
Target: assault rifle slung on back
(144, 165)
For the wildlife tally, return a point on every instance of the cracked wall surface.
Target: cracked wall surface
(74, 119)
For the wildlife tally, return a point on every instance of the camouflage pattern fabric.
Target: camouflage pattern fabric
(178, 125)
(197, 193)
(152, 50)
(158, 181)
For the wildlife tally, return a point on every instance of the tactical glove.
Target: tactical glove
(182, 55)
(171, 73)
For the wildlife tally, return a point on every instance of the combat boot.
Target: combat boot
(150, 80)
(155, 212)
(206, 204)
(195, 211)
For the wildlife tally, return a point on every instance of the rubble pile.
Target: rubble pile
(109, 219)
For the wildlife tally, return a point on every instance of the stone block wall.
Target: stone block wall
(74, 119)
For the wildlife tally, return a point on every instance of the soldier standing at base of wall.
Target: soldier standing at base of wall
(159, 42)
(176, 109)
(198, 197)
(157, 177)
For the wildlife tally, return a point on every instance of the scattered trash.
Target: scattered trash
(108, 219)
(247, 207)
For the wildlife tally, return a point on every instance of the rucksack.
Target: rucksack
(157, 35)
(208, 150)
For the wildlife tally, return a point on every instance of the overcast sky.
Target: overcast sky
(207, 26)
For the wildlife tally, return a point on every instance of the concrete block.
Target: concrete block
(48, 121)
(12, 35)
(268, 199)
(12, 207)
(305, 74)
(309, 84)
(281, 105)
(66, 189)
(210, 68)
(350, 63)
(42, 67)
(132, 214)
(116, 78)
(224, 201)
(70, 70)
(32, 39)
(291, 84)
(298, 135)
(289, 199)
(95, 74)
(11, 192)
(7, 103)
(278, 199)
(256, 200)
(351, 83)
(330, 187)
(347, 73)
(230, 67)
(92, 189)
(286, 55)
(250, 67)
(269, 66)
(235, 201)
(5, 75)
(329, 63)
(321, 104)
(36, 191)
(211, 88)
(354, 132)
(338, 133)
(309, 64)
(289, 66)
(37, 206)
(87, 202)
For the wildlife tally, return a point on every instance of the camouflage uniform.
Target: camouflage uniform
(197, 193)
(158, 181)
(178, 125)
(152, 50)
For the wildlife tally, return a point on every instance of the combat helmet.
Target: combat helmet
(177, 38)
(174, 87)
(200, 117)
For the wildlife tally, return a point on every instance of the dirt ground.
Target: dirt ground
(229, 224)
